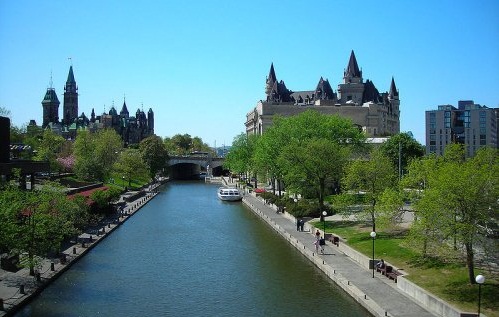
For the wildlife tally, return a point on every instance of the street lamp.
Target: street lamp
(324, 214)
(480, 279)
(373, 235)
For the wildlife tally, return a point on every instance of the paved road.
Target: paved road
(379, 294)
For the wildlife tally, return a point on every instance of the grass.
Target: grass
(134, 184)
(447, 279)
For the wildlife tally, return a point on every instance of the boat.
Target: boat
(229, 194)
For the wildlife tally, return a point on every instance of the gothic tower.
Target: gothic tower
(70, 107)
(353, 87)
(150, 121)
(124, 110)
(50, 104)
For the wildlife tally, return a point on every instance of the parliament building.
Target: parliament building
(132, 129)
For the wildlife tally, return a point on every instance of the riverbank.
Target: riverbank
(350, 270)
(18, 288)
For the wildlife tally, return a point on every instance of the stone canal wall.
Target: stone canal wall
(19, 288)
(434, 305)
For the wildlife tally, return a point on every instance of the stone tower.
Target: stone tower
(393, 98)
(150, 121)
(70, 108)
(50, 104)
(352, 88)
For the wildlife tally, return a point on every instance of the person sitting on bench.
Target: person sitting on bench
(381, 264)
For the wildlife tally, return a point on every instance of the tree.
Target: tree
(131, 165)
(154, 154)
(415, 182)
(183, 144)
(239, 159)
(311, 147)
(401, 149)
(265, 157)
(95, 153)
(372, 177)
(48, 147)
(459, 197)
(36, 222)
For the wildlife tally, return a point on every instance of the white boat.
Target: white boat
(229, 194)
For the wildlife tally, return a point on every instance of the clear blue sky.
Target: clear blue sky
(201, 65)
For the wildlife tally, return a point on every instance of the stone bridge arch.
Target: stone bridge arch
(186, 167)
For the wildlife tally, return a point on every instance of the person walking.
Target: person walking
(317, 241)
(316, 244)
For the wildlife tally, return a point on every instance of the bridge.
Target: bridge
(190, 166)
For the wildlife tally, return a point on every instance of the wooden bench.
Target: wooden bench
(334, 240)
(391, 273)
(382, 270)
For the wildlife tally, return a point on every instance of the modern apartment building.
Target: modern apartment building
(470, 124)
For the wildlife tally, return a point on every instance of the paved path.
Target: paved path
(379, 294)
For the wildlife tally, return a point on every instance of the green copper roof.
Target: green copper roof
(71, 77)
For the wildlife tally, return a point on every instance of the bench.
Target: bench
(334, 240)
(389, 272)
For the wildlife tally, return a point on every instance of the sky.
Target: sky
(201, 65)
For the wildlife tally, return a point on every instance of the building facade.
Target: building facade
(132, 129)
(470, 124)
(377, 114)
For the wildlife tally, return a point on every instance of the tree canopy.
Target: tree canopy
(458, 200)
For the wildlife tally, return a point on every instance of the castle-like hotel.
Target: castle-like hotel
(131, 129)
(377, 114)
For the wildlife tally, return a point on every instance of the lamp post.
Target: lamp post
(373, 235)
(324, 214)
(123, 178)
(480, 279)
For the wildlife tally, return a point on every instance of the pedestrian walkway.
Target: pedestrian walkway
(378, 295)
(16, 288)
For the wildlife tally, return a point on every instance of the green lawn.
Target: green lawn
(446, 279)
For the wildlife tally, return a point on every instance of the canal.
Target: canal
(188, 254)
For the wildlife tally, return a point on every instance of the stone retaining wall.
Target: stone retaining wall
(421, 296)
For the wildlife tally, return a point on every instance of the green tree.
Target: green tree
(95, 153)
(131, 165)
(239, 159)
(401, 149)
(312, 147)
(35, 222)
(459, 198)
(48, 148)
(154, 153)
(372, 177)
(415, 182)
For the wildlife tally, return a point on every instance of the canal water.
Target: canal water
(188, 254)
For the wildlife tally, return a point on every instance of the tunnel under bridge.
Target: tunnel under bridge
(195, 167)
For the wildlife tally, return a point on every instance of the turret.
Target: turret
(124, 111)
(50, 104)
(393, 94)
(352, 88)
(352, 74)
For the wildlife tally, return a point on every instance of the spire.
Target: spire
(271, 80)
(353, 67)
(272, 76)
(124, 109)
(71, 77)
(393, 90)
